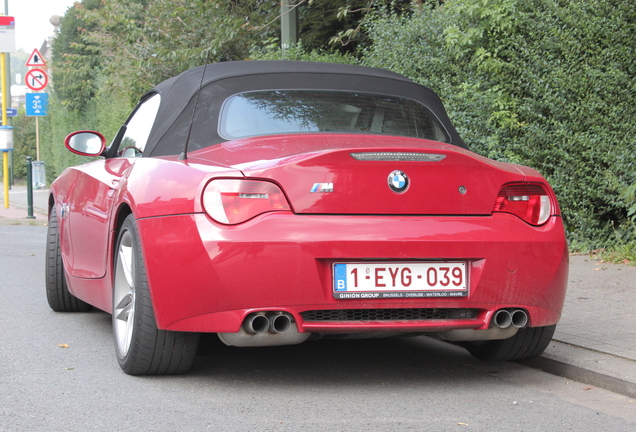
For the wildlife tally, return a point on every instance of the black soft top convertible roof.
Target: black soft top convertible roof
(188, 82)
(222, 80)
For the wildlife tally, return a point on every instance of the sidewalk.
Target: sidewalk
(17, 212)
(595, 342)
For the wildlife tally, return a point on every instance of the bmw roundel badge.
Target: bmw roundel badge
(398, 181)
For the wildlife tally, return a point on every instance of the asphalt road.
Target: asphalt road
(58, 373)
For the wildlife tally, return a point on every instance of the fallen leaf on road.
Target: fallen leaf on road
(588, 388)
(62, 345)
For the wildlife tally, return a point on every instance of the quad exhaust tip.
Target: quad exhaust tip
(505, 318)
(272, 322)
(266, 328)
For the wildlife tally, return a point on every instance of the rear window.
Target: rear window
(308, 111)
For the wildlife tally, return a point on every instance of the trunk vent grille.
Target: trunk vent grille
(388, 314)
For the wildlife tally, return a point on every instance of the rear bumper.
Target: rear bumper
(207, 278)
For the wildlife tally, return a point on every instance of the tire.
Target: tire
(141, 348)
(57, 293)
(528, 342)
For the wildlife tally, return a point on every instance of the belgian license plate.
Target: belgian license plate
(364, 280)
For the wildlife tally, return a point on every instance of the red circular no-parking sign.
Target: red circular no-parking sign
(36, 79)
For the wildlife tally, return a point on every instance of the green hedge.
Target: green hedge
(549, 84)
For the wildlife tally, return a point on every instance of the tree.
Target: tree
(24, 143)
(76, 63)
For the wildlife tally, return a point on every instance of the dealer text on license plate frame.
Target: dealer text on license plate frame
(389, 279)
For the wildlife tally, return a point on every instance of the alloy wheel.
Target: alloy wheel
(124, 295)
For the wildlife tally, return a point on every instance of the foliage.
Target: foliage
(346, 32)
(77, 62)
(618, 254)
(24, 142)
(143, 43)
(299, 53)
(131, 45)
(545, 83)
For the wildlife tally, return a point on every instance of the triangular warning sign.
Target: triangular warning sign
(36, 59)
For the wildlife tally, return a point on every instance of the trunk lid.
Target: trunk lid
(345, 174)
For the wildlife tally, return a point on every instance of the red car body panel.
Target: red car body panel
(207, 277)
(283, 262)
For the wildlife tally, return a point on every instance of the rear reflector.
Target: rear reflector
(236, 201)
(530, 202)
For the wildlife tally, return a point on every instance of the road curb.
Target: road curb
(24, 221)
(610, 372)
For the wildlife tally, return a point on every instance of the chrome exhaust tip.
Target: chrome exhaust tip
(279, 323)
(502, 319)
(256, 324)
(519, 318)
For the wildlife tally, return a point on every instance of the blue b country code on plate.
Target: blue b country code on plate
(364, 280)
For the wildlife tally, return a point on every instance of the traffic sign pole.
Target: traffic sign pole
(7, 44)
(5, 154)
(37, 139)
(3, 66)
(5, 173)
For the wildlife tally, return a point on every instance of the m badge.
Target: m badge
(322, 187)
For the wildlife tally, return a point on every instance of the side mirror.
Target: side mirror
(86, 143)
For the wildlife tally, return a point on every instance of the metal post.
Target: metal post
(3, 67)
(5, 92)
(8, 71)
(5, 176)
(8, 74)
(288, 23)
(5, 155)
(37, 139)
(29, 170)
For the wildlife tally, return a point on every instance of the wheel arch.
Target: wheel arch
(123, 211)
(120, 216)
(51, 203)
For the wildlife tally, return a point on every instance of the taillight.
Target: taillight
(530, 202)
(235, 201)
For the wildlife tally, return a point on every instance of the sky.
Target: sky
(32, 24)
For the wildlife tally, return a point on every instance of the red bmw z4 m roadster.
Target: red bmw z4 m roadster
(275, 202)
